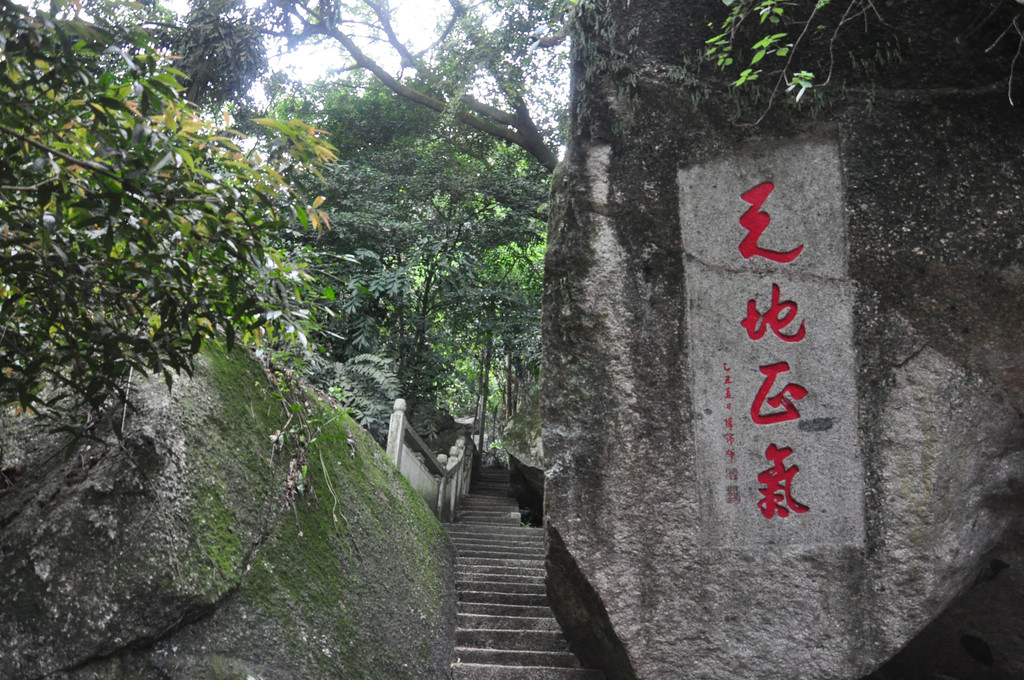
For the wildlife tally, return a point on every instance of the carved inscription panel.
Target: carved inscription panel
(772, 369)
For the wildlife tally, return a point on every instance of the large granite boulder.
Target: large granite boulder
(783, 382)
(233, 533)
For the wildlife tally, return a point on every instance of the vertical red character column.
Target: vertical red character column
(776, 483)
(732, 476)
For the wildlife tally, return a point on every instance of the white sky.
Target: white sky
(413, 21)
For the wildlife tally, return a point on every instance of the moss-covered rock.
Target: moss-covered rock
(178, 554)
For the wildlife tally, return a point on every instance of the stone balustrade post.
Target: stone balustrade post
(443, 488)
(396, 434)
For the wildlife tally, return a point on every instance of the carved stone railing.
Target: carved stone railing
(440, 479)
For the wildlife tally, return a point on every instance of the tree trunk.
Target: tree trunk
(482, 393)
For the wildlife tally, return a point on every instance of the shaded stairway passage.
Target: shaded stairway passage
(506, 630)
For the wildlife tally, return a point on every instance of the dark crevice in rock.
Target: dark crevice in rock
(977, 636)
(977, 649)
(526, 484)
(187, 618)
(582, 614)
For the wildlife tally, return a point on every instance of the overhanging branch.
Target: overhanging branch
(477, 115)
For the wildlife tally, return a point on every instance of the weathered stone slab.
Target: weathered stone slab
(906, 191)
(799, 332)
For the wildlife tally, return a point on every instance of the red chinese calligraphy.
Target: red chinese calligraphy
(780, 400)
(732, 494)
(756, 222)
(777, 484)
(777, 318)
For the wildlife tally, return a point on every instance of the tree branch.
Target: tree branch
(34, 187)
(385, 23)
(552, 39)
(503, 128)
(97, 167)
(457, 11)
(516, 128)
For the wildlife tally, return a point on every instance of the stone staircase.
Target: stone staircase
(506, 630)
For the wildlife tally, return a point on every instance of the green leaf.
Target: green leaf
(167, 158)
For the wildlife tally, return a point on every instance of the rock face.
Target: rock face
(176, 554)
(525, 448)
(783, 386)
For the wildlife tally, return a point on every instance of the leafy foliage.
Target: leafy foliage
(803, 46)
(130, 228)
(435, 248)
(367, 387)
(772, 36)
(482, 69)
(222, 50)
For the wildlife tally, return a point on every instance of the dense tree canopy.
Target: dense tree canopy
(130, 227)
(135, 223)
(435, 247)
(486, 65)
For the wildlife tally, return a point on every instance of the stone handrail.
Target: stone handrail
(442, 479)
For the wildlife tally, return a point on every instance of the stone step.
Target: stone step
(510, 524)
(498, 638)
(490, 491)
(510, 657)
(499, 516)
(493, 478)
(532, 552)
(495, 505)
(496, 597)
(506, 630)
(499, 541)
(522, 579)
(502, 540)
(512, 552)
(497, 494)
(506, 520)
(489, 565)
(527, 552)
(502, 587)
(503, 553)
(497, 530)
(487, 502)
(499, 572)
(517, 556)
(473, 524)
(493, 528)
(494, 562)
(507, 538)
(470, 621)
(489, 499)
(474, 671)
(496, 609)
